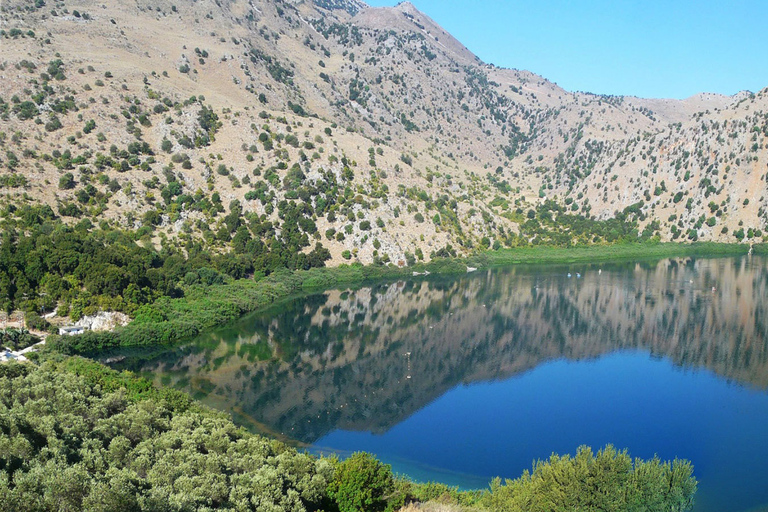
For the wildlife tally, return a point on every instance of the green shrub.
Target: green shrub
(361, 484)
(67, 181)
(406, 491)
(608, 481)
(53, 125)
(446, 266)
(35, 321)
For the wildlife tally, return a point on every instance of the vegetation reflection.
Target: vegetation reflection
(367, 358)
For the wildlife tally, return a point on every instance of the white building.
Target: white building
(71, 330)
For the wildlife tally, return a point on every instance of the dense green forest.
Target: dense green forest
(45, 263)
(75, 435)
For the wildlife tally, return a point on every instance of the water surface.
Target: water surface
(468, 378)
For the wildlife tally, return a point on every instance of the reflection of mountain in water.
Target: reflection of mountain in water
(366, 359)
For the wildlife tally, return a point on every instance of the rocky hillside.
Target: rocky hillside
(371, 131)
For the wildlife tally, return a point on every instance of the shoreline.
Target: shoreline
(169, 321)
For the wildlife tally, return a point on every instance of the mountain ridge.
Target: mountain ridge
(449, 153)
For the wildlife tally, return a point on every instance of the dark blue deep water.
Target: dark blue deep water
(627, 399)
(460, 380)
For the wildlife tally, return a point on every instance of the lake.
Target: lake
(463, 379)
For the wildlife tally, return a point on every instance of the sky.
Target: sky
(651, 48)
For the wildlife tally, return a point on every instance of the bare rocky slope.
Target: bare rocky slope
(393, 141)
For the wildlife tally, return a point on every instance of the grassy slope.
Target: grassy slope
(600, 253)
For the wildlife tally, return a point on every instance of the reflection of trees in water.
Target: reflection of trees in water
(338, 359)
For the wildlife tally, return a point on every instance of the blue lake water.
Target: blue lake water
(460, 380)
(629, 399)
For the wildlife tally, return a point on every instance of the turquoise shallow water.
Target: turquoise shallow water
(463, 379)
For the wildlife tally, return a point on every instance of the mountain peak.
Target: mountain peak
(407, 7)
(406, 17)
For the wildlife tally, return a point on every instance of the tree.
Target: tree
(54, 69)
(26, 110)
(209, 121)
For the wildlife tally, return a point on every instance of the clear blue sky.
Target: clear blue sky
(652, 48)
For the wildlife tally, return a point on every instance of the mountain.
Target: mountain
(371, 131)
